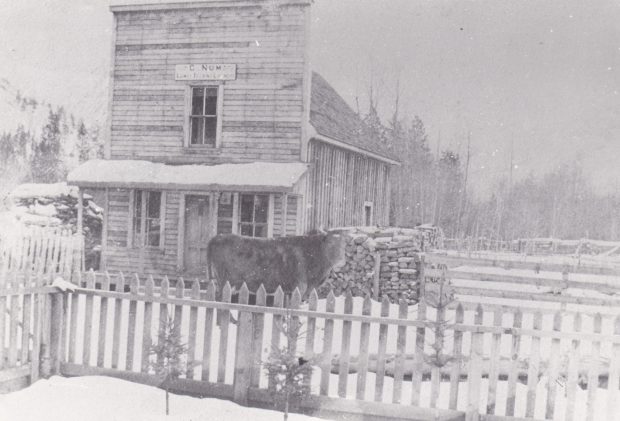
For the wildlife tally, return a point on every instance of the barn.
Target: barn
(217, 124)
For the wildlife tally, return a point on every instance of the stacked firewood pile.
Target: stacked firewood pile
(393, 252)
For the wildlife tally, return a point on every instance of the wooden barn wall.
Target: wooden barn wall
(340, 182)
(262, 108)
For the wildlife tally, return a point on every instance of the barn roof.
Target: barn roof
(255, 176)
(332, 117)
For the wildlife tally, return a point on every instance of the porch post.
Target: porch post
(80, 228)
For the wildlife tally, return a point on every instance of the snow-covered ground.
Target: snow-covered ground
(107, 399)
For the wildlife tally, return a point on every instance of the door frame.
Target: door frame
(213, 209)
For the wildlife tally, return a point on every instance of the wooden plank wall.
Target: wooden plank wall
(262, 108)
(340, 182)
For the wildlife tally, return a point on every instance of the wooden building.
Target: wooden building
(218, 125)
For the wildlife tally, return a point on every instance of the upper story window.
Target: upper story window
(204, 116)
(146, 218)
(253, 215)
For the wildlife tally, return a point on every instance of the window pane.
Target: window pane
(153, 205)
(247, 206)
(260, 231)
(197, 101)
(261, 206)
(153, 238)
(196, 136)
(211, 102)
(210, 130)
(246, 230)
(137, 223)
(137, 217)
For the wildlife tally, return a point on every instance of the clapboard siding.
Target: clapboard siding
(131, 259)
(340, 183)
(263, 109)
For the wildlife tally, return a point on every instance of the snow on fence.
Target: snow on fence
(485, 359)
(40, 251)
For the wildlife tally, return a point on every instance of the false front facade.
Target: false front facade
(218, 125)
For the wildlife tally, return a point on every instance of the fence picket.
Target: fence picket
(533, 369)
(3, 305)
(614, 375)
(345, 350)
(457, 352)
(416, 376)
(147, 339)
(243, 359)
(26, 319)
(383, 330)
(513, 373)
(553, 368)
(363, 351)
(313, 299)
(131, 324)
(399, 363)
(594, 370)
(257, 341)
(118, 308)
(88, 319)
(179, 292)
(164, 288)
(496, 339)
(326, 357)
(208, 335)
(224, 321)
(13, 319)
(294, 305)
(573, 371)
(278, 302)
(474, 374)
(193, 324)
(103, 321)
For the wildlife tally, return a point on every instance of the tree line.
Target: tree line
(44, 152)
(434, 188)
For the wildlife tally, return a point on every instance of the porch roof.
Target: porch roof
(255, 176)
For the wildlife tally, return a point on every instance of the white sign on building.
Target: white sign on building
(205, 72)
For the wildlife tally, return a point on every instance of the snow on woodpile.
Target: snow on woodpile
(258, 174)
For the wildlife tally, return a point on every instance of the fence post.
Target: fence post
(243, 357)
(56, 329)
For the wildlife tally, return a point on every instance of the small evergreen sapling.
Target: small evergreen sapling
(288, 374)
(170, 356)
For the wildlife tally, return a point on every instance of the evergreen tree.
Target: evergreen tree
(288, 373)
(47, 164)
(170, 356)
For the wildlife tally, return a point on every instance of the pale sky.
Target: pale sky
(542, 75)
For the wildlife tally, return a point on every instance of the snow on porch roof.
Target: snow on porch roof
(255, 176)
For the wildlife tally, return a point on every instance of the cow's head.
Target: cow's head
(334, 248)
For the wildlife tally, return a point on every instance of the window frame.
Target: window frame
(187, 116)
(268, 224)
(135, 240)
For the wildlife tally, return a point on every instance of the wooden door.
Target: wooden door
(198, 232)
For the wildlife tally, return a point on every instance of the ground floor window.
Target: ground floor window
(253, 214)
(146, 218)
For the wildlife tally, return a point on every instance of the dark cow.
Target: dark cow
(292, 262)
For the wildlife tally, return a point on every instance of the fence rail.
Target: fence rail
(480, 360)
